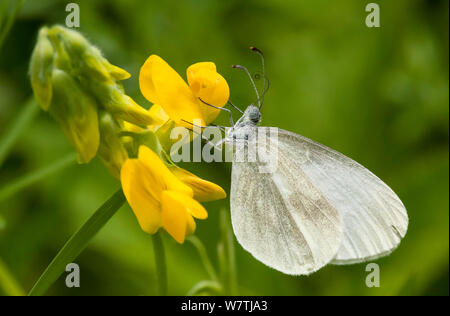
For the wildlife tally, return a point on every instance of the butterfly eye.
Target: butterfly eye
(246, 137)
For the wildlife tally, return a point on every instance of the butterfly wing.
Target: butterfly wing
(281, 218)
(373, 217)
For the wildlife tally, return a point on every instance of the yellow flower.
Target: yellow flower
(160, 199)
(161, 85)
(204, 191)
(159, 116)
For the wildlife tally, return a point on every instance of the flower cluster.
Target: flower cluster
(78, 86)
(83, 92)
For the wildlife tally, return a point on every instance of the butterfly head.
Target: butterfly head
(252, 114)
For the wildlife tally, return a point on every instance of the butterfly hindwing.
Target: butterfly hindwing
(281, 217)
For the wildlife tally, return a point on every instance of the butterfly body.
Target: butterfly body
(245, 127)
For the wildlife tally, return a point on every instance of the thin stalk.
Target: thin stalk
(160, 261)
(25, 181)
(226, 255)
(205, 286)
(22, 121)
(204, 257)
(231, 257)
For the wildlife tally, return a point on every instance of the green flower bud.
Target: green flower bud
(163, 135)
(77, 56)
(72, 80)
(97, 75)
(111, 150)
(124, 107)
(150, 140)
(41, 67)
(76, 112)
(116, 72)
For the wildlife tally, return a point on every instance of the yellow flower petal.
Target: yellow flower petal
(196, 209)
(190, 205)
(142, 190)
(204, 191)
(146, 79)
(156, 166)
(201, 65)
(159, 115)
(175, 215)
(191, 226)
(210, 86)
(161, 84)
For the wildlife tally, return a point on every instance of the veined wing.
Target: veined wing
(281, 218)
(374, 219)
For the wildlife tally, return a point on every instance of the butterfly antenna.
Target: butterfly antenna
(219, 108)
(251, 80)
(242, 112)
(260, 53)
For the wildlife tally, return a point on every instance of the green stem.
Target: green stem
(227, 256)
(204, 257)
(160, 261)
(8, 283)
(231, 259)
(18, 126)
(19, 184)
(78, 242)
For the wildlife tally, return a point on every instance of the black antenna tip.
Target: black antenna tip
(253, 48)
(236, 66)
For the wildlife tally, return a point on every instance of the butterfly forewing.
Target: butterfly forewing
(373, 217)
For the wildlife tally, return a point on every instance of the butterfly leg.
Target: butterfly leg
(229, 102)
(204, 138)
(222, 128)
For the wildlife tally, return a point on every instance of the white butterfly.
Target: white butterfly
(316, 207)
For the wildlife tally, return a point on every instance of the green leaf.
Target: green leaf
(77, 243)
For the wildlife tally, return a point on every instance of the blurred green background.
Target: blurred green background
(378, 95)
